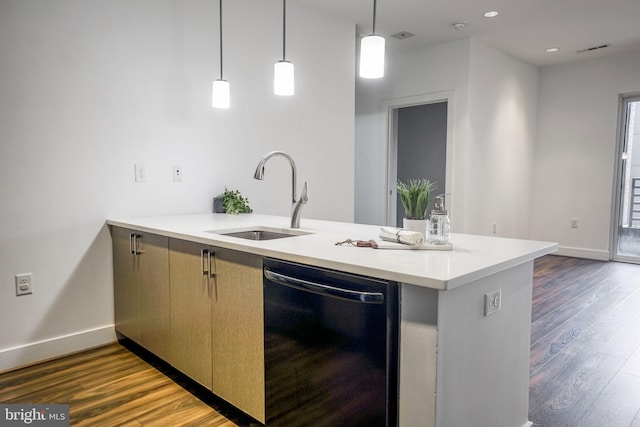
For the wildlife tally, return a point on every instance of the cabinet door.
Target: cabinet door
(141, 288)
(238, 331)
(125, 285)
(153, 292)
(191, 293)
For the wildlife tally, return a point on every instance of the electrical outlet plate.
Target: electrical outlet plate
(177, 174)
(141, 173)
(574, 222)
(24, 284)
(492, 302)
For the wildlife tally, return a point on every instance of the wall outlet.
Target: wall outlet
(141, 173)
(574, 222)
(492, 302)
(24, 284)
(495, 228)
(177, 174)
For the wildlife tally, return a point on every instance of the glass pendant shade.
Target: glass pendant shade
(372, 57)
(283, 78)
(220, 97)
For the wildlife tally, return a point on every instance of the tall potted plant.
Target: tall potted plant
(414, 195)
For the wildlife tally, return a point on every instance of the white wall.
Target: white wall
(534, 147)
(495, 99)
(443, 67)
(91, 88)
(503, 99)
(575, 151)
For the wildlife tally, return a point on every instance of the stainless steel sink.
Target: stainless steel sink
(259, 233)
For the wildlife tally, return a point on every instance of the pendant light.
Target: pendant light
(283, 74)
(220, 97)
(372, 53)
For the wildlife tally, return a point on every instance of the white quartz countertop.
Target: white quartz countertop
(472, 258)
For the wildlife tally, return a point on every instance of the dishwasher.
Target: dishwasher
(331, 348)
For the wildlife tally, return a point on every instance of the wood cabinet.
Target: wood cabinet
(217, 325)
(238, 331)
(191, 282)
(198, 307)
(141, 288)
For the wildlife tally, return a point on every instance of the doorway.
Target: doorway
(626, 234)
(419, 147)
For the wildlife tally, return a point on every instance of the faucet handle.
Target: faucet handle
(304, 196)
(297, 207)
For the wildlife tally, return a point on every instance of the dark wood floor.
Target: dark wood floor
(585, 363)
(585, 344)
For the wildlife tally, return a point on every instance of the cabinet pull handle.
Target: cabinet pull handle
(138, 238)
(204, 252)
(212, 274)
(209, 256)
(133, 243)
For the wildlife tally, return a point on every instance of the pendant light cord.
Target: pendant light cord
(220, 2)
(284, 28)
(374, 15)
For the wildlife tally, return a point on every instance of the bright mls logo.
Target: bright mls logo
(36, 415)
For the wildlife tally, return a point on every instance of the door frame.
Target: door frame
(389, 114)
(621, 135)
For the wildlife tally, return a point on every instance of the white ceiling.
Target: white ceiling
(524, 28)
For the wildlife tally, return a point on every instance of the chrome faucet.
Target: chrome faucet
(296, 208)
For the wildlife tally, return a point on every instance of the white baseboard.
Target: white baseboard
(583, 253)
(528, 424)
(15, 357)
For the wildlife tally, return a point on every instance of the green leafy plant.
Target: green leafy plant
(414, 195)
(234, 202)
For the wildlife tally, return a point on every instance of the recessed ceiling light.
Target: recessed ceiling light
(491, 14)
(553, 49)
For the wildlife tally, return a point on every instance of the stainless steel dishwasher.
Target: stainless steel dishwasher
(331, 347)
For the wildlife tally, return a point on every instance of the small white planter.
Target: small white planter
(420, 225)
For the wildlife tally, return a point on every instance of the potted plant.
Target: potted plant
(231, 202)
(414, 195)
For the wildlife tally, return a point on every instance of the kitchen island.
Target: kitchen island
(458, 366)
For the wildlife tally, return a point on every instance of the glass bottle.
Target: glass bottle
(439, 226)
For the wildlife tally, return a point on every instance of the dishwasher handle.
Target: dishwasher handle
(325, 290)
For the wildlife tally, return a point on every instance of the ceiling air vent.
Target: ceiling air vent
(590, 49)
(402, 35)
